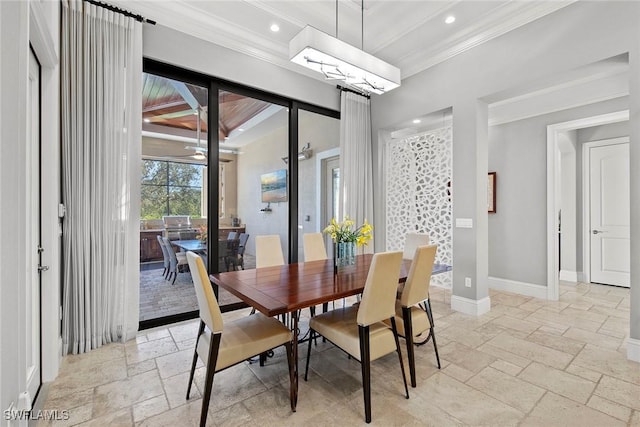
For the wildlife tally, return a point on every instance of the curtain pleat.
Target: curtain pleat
(356, 167)
(101, 70)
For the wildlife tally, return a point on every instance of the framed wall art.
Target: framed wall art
(491, 192)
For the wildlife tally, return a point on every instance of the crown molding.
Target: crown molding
(509, 17)
(186, 17)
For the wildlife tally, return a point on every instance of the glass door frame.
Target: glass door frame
(215, 85)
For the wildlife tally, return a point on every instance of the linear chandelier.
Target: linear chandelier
(341, 61)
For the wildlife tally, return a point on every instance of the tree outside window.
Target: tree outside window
(170, 188)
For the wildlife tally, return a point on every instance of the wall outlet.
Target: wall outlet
(467, 282)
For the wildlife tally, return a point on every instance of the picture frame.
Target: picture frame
(273, 186)
(491, 192)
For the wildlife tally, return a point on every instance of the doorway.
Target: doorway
(330, 196)
(554, 181)
(32, 362)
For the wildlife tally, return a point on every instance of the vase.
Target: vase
(344, 254)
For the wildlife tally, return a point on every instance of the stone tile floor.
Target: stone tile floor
(160, 298)
(527, 362)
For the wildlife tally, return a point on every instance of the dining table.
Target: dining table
(289, 288)
(190, 245)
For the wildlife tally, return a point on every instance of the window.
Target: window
(171, 188)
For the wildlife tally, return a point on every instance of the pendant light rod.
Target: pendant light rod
(362, 25)
(336, 18)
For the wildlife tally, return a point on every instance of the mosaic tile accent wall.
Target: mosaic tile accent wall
(418, 171)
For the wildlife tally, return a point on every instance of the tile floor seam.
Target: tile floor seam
(593, 393)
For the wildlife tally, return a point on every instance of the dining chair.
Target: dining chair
(165, 256)
(359, 330)
(268, 251)
(238, 259)
(221, 345)
(313, 245)
(176, 260)
(412, 241)
(411, 318)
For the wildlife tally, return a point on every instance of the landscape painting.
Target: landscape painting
(274, 186)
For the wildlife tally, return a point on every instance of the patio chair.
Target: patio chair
(176, 260)
(165, 256)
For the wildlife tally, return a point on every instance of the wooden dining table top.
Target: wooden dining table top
(283, 289)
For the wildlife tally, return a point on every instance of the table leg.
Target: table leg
(294, 328)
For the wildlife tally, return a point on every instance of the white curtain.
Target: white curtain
(101, 73)
(356, 168)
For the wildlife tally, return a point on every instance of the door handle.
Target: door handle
(597, 231)
(42, 268)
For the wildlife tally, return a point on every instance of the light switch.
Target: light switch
(464, 222)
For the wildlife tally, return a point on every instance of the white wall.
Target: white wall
(262, 156)
(15, 28)
(323, 133)
(517, 231)
(581, 33)
(173, 47)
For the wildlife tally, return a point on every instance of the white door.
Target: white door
(330, 197)
(609, 214)
(33, 249)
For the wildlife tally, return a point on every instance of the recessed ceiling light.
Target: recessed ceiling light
(146, 120)
(416, 121)
(275, 28)
(450, 19)
(240, 130)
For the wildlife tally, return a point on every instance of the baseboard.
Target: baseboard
(633, 349)
(523, 288)
(569, 276)
(470, 306)
(581, 277)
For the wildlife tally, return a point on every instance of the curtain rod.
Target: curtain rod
(138, 18)
(348, 89)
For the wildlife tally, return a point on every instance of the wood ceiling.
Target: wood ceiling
(177, 106)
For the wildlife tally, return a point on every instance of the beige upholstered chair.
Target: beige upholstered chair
(268, 251)
(221, 346)
(359, 330)
(412, 241)
(314, 249)
(414, 322)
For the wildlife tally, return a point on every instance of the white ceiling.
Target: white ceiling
(411, 35)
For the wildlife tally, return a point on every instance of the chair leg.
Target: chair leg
(195, 358)
(292, 388)
(306, 369)
(408, 336)
(395, 335)
(435, 346)
(175, 276)
(365, 364)
(208, 384)
(164, 271)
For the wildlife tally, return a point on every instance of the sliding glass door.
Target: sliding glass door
(253, 194)
(256, 173)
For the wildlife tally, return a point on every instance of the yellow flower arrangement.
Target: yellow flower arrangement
(343, 231)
